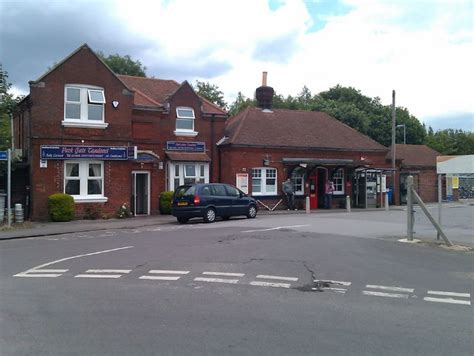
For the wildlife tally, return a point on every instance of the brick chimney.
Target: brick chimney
(264, 94)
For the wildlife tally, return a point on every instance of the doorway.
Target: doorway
(316, 188)
(141, 193)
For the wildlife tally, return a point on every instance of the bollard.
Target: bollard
(348, 203)
(307, 206)
(386, 201)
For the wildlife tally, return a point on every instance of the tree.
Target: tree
(7, 107)
(240, 103)
(123, 64)
(211, 92)
(451, 142)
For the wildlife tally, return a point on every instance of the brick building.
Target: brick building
(108, 139)
(262, 147)
(420, 162)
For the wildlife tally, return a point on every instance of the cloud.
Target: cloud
(279, 50)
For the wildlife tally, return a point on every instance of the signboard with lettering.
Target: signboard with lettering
(3, 155)
(84, 152)
(187, 146)
(242, 182)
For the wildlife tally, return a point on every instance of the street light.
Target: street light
(404, 133)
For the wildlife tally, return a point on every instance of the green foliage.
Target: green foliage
(61, 207)
(7, 108)
(123, 64)
(165, 202)
(451, 142)
(123, 211)
(210, 92)
(240, 103)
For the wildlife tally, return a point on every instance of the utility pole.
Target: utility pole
(393, 146)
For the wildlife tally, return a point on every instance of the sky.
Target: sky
(422, 49)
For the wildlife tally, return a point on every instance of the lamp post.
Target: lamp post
(404, 133)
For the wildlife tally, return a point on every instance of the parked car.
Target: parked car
(211, 200)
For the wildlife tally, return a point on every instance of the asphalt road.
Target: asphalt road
(236, 287)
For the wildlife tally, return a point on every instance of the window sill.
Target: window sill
(90, 200)
(185, 133)
(85, 124)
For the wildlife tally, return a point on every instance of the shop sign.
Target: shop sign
(242, 182)
(85, 152)
(187, 146)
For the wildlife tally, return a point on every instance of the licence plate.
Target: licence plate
(182, 203)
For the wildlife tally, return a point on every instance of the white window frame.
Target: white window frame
(83, 179)
(181, 131)
(338, 181)
(182, 173)
(263, 176)
(84, 102)
(295, 176)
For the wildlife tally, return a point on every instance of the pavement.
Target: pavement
(36, 229)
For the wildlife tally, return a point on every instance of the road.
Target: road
(279, 285)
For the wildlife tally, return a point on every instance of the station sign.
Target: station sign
(86, 152)
(185, 146)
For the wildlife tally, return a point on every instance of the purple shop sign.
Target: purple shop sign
(187, 146)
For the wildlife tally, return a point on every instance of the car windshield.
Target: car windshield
(185, 190)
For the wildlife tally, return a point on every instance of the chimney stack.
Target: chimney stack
(264, 94)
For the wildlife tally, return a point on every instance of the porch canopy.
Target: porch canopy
(188, 156)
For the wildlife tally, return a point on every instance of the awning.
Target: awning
(188, 156)
(319, 161)
(147, 156)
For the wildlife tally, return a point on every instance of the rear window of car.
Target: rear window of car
(185, 191)
(206, 190)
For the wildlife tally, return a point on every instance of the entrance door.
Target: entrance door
(313, 192)
(141, 193)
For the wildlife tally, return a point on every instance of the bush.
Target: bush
(123, 211)
(61, 207)
(165, 202)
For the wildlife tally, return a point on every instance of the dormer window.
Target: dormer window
(185, 121)
(84, 106)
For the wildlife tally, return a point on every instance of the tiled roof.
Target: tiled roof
(188, 156)
(295, 129)
(415, 155)
(155, 92)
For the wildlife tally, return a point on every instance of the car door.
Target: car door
(238, 200)
(222, 200)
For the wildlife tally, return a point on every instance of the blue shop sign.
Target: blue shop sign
(3, 155)
(84, 152)
(185, 146)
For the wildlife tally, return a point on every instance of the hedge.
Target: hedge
(61, 207)
(165, 202)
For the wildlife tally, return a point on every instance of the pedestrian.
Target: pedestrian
(328, 191)
(289, 194)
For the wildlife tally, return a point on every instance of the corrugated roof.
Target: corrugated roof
(415, 155)
(295, 129)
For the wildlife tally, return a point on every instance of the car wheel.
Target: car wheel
(252, 212)
(210, 215)
(182, 220)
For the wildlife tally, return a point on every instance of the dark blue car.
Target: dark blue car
(208, 201)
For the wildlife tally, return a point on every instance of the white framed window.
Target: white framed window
(84, 106)
(264, 181)
(338, 181)
(297, 179)
(188, 173)
(185, 121)
(84, 180)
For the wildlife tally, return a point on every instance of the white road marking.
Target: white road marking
(450, 294)
(275, 228)
(108, 271)
(447, 300)
(78, 256)
(394, 289)
(342, 283)
(162, 271)
(160, 278)
(389, 295)
(98, 276)
(269, 284)
(37, 275)
(224, 274)
(49, 270)
(216, 280)
(264, 276)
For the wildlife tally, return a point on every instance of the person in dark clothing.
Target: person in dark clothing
(289, 194)
(328, 191)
